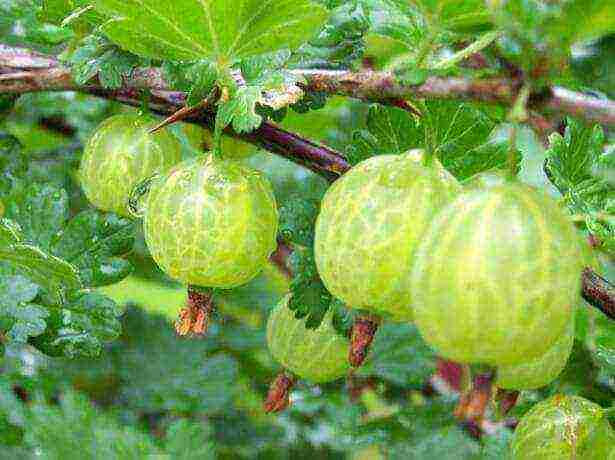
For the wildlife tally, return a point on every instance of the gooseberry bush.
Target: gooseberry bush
(280, 229)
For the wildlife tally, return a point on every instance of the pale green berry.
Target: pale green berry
(211, 222)
(563, 428)
(540, 371)
(120, 154)
(319, 355)
(369, 224)
(496, 276)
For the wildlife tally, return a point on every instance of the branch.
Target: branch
(598, 292)
(386, 87)
(25, 71)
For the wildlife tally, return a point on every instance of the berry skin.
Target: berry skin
(211, 222)
(319, 355)
(119, 155)
(539, 371)
(496, 276)
(562, 428)
(369, 224)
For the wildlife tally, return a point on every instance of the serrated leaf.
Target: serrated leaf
(389, 131)
(40, 210)
(309, 296)
(82, 327)
(15, 289)
(196, 79)
(28, 320)
(297, 220)
(92, 241)
(572, 162)
(240, 110)
(453, 15)
(339, 43)
(400, 356)
(211, 29)
(459, 135)
(53, 274)
(96, 57)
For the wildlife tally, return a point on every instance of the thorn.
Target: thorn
(361, 337)
(194, 317)
(186, 112)
(278, 397)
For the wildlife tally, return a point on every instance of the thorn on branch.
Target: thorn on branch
(361, 337)
(187, 112)
(598, 292)
(194, 318)
(278, 397)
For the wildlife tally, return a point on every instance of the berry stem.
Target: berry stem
(505, 400)
(470, 410)
(362, 334)
(195, 316)
(278, 397)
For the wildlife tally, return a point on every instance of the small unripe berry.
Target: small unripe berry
(211, 222)
(120, 154)
(564, 427)
(319, 355)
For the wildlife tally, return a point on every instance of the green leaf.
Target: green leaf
(574, 163)
(40, 210)
(309, 297)
(297, 220)
(96, 56)
(453, 15)
(188, 439)
(339, 43)
(92, 433)
(196, 79)
(460, 136)
(240, 110)
(13, 164)
(389, 131)
(212, 29)
(28, 321)
(400, 356)
(92, 241)
(54, 275)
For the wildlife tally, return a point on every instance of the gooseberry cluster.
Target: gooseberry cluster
(489, 272)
